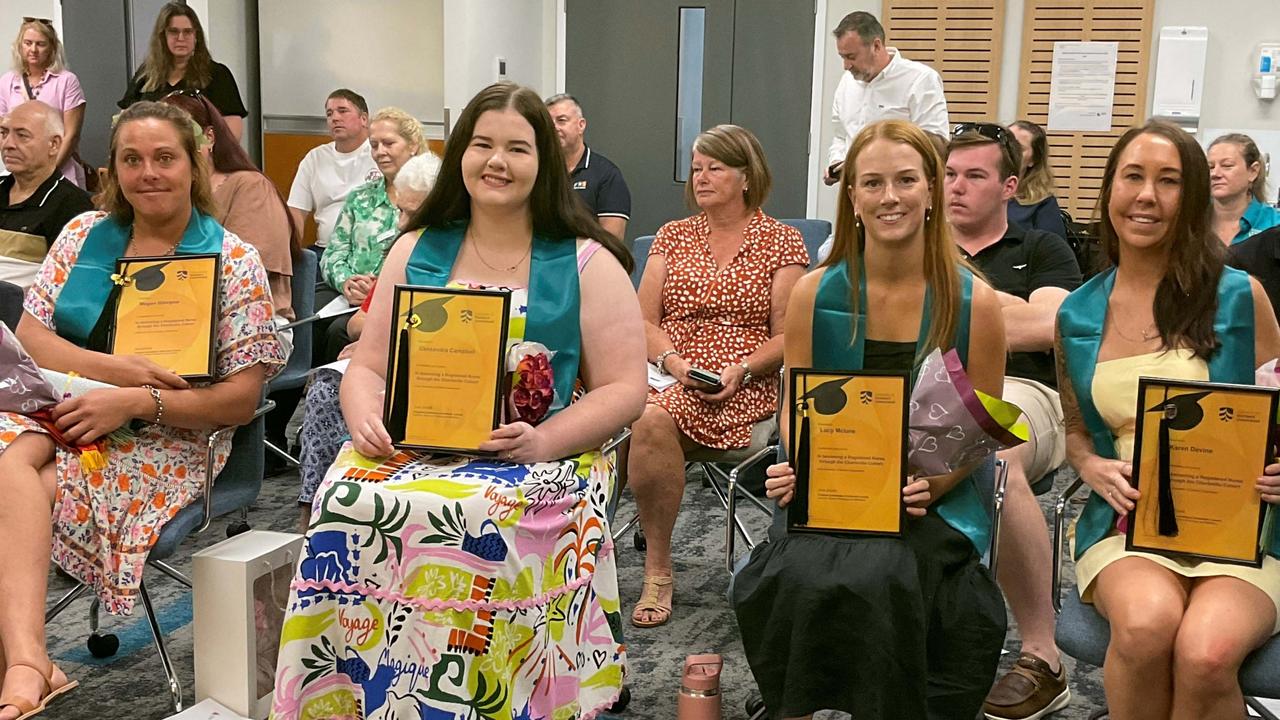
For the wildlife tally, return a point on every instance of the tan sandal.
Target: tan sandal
(649, 601)
(25, 706)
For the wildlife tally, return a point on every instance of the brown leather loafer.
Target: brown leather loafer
(1029, 691)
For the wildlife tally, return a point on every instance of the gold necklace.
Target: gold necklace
(1148, 333)
(475, 248)
(131, 245)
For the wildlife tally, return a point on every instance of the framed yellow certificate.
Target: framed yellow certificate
(445, 367)
(1199, 449)
(167, 311)
(849, 449)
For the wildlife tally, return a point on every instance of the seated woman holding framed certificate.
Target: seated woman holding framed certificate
(1180, 627)
(489, 575)
(895, 626)
(105, 520)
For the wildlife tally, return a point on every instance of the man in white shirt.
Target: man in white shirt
(879, 84)
(330, 171)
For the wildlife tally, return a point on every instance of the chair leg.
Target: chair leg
(72, 595)
(289, 459)
(171, 571)
(1257, 706)
(175, 690)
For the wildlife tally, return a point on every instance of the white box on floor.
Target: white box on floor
(207, 710)
(241, 590)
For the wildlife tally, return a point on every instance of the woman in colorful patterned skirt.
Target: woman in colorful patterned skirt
(105, 521)
(442, 587)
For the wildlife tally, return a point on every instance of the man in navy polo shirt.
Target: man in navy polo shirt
(1032, 271)
(596, 180)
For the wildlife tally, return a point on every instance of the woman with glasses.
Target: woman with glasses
(1035, 207)
(178, 59)
(40, 73)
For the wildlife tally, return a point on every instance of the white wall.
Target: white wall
(480, 30)
(226, 28)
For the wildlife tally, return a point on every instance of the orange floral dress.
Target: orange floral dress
(105, 522)
(716, 316)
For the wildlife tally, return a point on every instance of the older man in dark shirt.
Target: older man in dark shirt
(36, 201)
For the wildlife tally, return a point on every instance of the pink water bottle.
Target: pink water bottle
(700, 688)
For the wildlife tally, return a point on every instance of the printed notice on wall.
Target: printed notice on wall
(1083, 86)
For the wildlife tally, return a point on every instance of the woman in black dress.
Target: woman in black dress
(899, 628)
(179, 59)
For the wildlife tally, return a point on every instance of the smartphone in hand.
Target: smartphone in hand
(706, 377)
(834, 169)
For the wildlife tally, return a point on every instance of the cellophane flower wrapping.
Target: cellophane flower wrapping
(531, 382)
(952, 423)
(27, 390)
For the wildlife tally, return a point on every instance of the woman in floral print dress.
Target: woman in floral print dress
(442, 587)
(104, 522)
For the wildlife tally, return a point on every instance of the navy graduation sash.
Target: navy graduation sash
(86, 293)
(553, 315)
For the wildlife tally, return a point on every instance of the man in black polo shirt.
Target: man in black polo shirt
(596, 180)
(36, 201)
(1032, 271)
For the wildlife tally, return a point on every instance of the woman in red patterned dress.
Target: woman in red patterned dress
(714, 294)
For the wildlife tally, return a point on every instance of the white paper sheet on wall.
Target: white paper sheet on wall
(1082, 86)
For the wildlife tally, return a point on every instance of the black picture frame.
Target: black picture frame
(122, 265)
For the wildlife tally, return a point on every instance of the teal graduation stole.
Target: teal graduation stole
(1080, 321)
(85, 294)
(553, 318)
(837, 345)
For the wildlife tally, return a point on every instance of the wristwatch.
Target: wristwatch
(746, 378)
(661, 360)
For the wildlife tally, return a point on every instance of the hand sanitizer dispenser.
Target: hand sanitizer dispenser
(1266, 70)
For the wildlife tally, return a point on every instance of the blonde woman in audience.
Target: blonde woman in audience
(714, 293)
(894, 628)
(99, 525)
(1180, 628)
(1035, 207)
(366, 226)
(1238, 186)
(40, 73)
(178, 59)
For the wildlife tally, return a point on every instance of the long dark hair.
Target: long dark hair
(228, 156)
(155, 69)
(1187, 296)
(556, 212)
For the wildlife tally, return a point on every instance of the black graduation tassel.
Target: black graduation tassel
(1168, 519)
(400, 400)
(100, 337)
(800, 503)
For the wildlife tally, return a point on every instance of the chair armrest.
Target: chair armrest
(313, 318)
(1059, 539)
(216, 437)
(616, 441)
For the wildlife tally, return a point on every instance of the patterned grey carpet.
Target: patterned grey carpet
(131, 685)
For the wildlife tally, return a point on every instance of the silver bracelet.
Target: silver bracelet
(661, 360)
(155, 397)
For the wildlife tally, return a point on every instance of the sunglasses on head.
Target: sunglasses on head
(185, 92)
(42, 21)
(991, 131)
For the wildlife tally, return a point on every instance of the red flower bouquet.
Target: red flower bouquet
(531, 383)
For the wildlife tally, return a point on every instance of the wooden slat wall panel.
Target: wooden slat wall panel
(962, 40)
(1078, 158)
